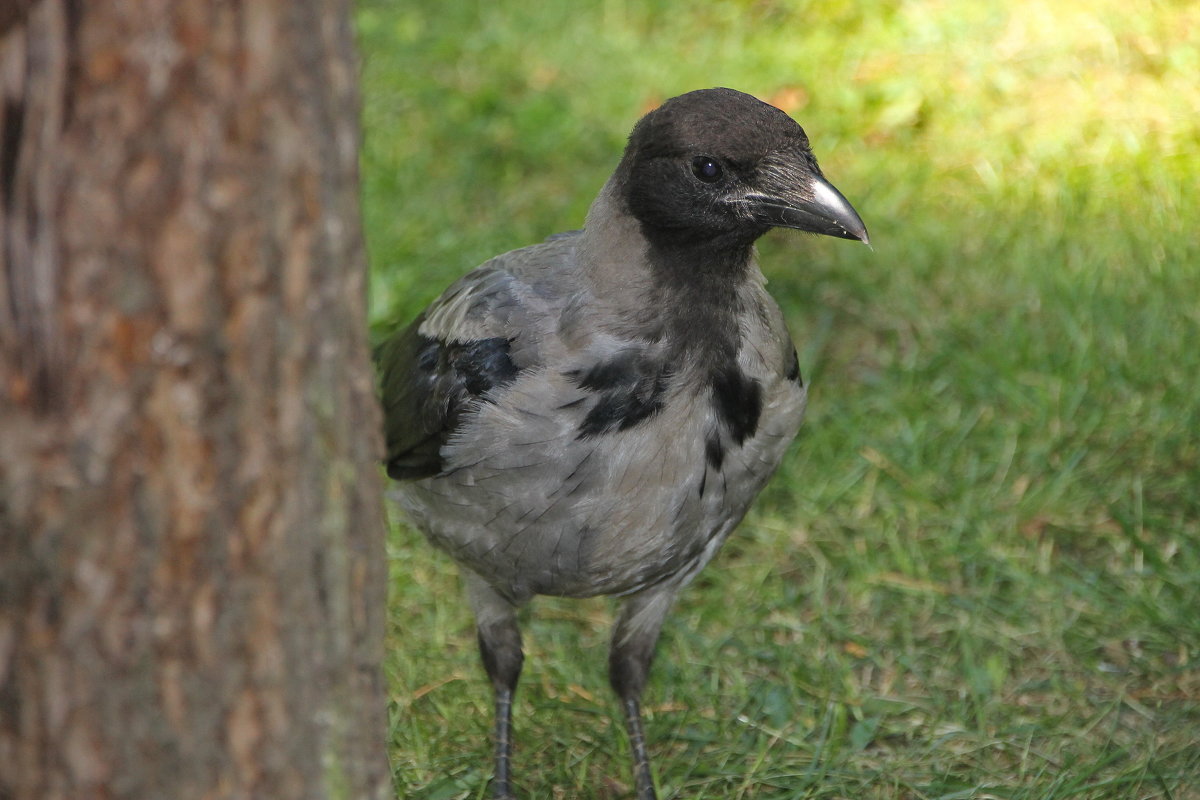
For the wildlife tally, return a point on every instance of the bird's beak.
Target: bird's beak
(821, 208)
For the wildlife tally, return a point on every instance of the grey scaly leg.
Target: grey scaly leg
(629, 657)
(500, 649)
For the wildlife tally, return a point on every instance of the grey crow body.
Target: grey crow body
(594, 414)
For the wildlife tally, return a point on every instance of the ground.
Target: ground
(977, 573)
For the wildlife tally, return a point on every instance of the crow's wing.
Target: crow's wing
(470, 343)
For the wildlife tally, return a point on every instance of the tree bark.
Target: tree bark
(191, 539)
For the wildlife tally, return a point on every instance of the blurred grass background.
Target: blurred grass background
(977, 574)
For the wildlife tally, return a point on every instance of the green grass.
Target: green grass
(977, 574)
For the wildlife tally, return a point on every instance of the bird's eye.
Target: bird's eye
(706, 169)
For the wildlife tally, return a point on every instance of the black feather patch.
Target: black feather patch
(427, 354)
(793, 373)
(629, 387)
(738, 402)
(714, 451)
(427, 386)
(482, 365)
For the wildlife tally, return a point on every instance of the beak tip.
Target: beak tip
(835, 215)
(852, 229)
(825, 211)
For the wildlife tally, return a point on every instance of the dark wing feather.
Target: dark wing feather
(427, 384)
(472, 341)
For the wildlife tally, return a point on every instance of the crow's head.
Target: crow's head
(718, 166)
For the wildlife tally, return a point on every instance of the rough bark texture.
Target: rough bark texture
(191, 540)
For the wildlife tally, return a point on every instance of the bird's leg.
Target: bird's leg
(629, 657)
(500, 649)
(642, 776)
(501, 789)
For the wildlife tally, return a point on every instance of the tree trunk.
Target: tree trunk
(191, 539)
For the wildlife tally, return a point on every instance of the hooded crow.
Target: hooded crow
(594, 414)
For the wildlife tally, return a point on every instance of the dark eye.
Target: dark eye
(706, 169)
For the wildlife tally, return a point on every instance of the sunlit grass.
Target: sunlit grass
(977, 573)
